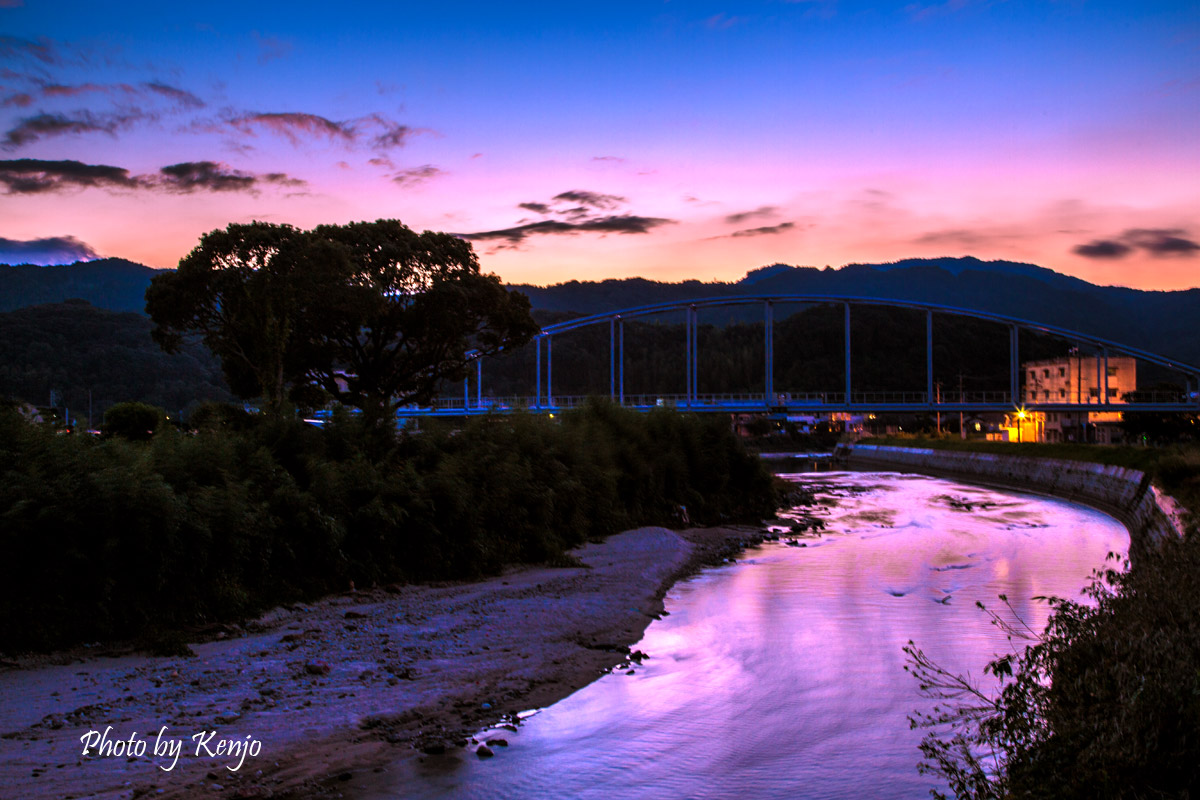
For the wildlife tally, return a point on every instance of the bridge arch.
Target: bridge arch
(691, 399)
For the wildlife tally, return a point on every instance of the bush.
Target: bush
(134, 421)
(1105, 704)
(120, 538)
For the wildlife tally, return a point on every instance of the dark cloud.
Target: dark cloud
(44, 126)
(624, 224)
(1162, 242)
(762, 212)
(954, 236)
(1102, 248)
(292, 125)
(394, 135)
(51, 250)
(147, 89)
(180, 96)
(537, 208)
(59, 90)
(768, 230)
(593, 199)
(281, 179)
(33, 176)
(191, 176)
(414, 176)
(11, 48)
(613, 159)
(377, 130)
(20, 100)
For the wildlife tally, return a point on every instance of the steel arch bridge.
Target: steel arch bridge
(847, 400)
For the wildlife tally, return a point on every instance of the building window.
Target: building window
(1033, 374)
(1045, 373)
(1062, 393)
(1062, 372)
(1046, 394)
(1112, 371)
(1094, 392)
(1112, 391)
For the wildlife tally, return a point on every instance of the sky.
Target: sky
(590, 140)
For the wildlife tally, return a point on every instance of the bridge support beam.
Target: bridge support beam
(848, 398)
(1104, 354)
(621, 356)
(612, 359)
(695, 355)
(769, 347)
(929, 358)
(479, 383)
(537, 400)
(688, 314)
(1014, 367)
(550, 371)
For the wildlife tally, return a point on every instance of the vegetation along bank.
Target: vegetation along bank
(112, 538)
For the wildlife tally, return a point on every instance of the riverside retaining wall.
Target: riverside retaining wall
(1149, 514)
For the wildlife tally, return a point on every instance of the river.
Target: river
(782, 675)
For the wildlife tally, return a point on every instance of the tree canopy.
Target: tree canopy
(370, 313)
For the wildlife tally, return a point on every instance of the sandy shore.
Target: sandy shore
(321, 696)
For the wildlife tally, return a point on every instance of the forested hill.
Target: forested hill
(74, 348)
(1162, 322)
(111, 283)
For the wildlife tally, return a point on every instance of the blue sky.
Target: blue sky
(1060, 133)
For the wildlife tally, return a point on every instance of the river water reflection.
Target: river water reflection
(782, 676)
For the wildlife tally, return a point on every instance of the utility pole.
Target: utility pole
(938, 387)
(962, 431)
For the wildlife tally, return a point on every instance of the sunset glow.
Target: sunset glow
(669, 140)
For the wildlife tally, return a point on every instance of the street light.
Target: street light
(1021, 415)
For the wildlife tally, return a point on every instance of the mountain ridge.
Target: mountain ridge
(1163, 322)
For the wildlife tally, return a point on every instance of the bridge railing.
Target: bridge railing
(799, 400)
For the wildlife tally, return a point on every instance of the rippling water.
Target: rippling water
(782, 676)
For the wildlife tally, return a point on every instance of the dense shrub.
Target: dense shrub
(135, 421)
(115, 538)
(1104, 704)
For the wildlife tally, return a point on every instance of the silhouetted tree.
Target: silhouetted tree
(371, 312)
(247, 291)
(404, 312)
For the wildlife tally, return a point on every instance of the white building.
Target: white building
(1079, 380)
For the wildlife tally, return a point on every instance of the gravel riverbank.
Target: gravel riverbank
(311, 699)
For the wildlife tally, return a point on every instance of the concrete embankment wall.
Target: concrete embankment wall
(1124, 493)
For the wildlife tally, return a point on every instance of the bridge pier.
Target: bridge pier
(688, 314)
(612, 359)
(849, 398)
(1014, 367)
(621, 342)
(929, 358)
(769, 347)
